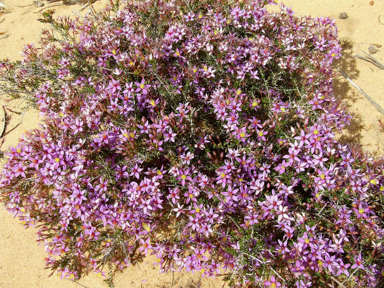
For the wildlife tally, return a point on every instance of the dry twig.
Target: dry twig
(2, 122)
(39, 4)
(362, 92)
(371, 60)
(69, 2)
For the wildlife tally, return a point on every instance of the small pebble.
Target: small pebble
(343, 15)
(372, 49)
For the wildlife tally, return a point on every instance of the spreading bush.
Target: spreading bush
(199, 131)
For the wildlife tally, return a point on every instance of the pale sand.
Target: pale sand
(22, 260)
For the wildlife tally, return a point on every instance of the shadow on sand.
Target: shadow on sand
(348, 95)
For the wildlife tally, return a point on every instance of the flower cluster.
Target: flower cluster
(201, 133)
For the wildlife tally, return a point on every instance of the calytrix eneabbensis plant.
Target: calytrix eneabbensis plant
(199, 131)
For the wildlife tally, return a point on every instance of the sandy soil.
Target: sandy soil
(22, 260)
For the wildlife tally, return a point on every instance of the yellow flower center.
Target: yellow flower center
(254, 103)
(361, 211)
(146, 227)
(152, 102)
(238, 92)
(242, 135)
(322, 176)
(316, 132)
(183, 177)
(222, 175)
(307, 240)
(273, 285)
(57, 160)
(373, 181)
(125, 135)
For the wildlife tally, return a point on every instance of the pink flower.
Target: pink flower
(142, 87)
(145, 245)
(282, 167)
(273, 283)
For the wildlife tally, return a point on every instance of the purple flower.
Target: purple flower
(78, 126)
(114, 85)
(273, 283)
(142, 87)
(343, 269)
(223, 178)
(281, 167)
(183, 175)
(358, 263)
(230, 194)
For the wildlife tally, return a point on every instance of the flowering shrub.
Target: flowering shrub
(201, 132)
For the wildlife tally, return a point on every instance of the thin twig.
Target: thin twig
(21, 119)
(380, 21)
(371, 60)
(2, 122)
(341, 284)
(368, 60)
(235, 222)
(18, 113)
(349, 277)
(362, 92)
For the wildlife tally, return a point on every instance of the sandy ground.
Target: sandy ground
(22, 260)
